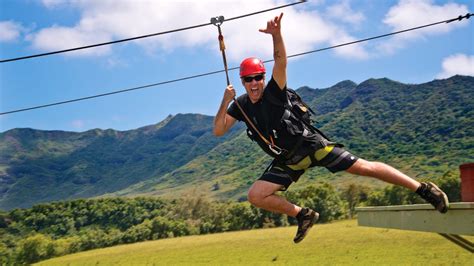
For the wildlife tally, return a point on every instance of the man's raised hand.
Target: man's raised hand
(273, 26)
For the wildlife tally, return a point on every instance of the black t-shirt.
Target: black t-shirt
(266, 116)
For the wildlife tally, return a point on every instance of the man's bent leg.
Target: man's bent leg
(262, 195)
(383, 172)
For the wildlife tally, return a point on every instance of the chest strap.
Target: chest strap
(274, 148)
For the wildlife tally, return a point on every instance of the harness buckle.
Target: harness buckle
(275, 149)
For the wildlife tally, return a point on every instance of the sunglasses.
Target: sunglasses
(256, 78)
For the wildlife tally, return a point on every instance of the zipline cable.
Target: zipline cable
(116, 92)
(144, 36)
(459, 18)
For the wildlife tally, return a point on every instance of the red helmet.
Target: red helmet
(251, 66)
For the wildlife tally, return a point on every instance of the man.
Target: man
(295, 152)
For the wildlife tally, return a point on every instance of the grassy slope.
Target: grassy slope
(337, 243)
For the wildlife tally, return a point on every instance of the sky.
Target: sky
(30, 27)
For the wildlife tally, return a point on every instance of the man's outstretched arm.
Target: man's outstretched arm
(223, 122)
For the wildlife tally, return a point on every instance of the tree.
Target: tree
(4, 255)
(240, 216)
(92, 238)
(67, 245)
(140, 232)
(4, 220)
(322, 198)
(162, 227)
(35, 248)
(450, 183)
(353, 194)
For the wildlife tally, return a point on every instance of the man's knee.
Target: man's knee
(260, 190)
(254, 196)
(362, 167)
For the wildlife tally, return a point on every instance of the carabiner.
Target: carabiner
(217, 21)
(275, 149)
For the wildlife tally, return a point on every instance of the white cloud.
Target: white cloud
(342, 11)
(53, 3)
(107, 20)
(10, 31)
(458, 64)
(60, 38)
(411, 13)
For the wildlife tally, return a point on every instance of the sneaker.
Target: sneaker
(431, 193)
(306, 218)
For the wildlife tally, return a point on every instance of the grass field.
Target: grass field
(329, 244)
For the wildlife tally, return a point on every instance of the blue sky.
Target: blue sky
(34, 26)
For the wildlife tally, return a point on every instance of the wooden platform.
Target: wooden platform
(459, 220)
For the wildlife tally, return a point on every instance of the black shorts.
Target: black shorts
(334, 158)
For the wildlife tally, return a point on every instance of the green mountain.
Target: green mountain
(426, 130)
(40, 166)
